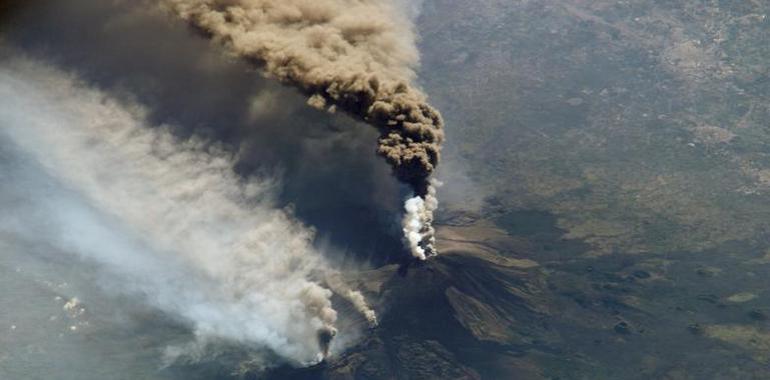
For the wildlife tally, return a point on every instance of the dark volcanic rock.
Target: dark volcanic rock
(622, 328)
(758, 315)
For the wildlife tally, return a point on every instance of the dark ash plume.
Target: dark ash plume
(349, 55)
(357, 56)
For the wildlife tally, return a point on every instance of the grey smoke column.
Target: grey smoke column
(353, 55)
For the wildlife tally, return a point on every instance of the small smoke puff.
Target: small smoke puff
(317, 101)
(74, 308)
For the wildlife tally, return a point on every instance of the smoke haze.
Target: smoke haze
(169, 218)
(329, 174)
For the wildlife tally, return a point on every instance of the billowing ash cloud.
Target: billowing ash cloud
(169, 218)
(353, 55)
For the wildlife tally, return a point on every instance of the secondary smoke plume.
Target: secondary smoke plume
(167, 218)
(353, 55)
(334, 281)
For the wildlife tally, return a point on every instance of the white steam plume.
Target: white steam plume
(168, 218)
(418, 223)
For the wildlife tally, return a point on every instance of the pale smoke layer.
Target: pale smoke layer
(170, 219)
(355, 55)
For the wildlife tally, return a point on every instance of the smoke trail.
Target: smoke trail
(334, 281)
(169, 218)
(354, 55)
